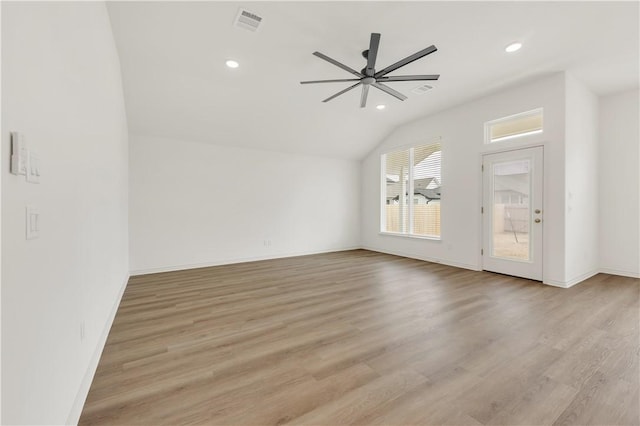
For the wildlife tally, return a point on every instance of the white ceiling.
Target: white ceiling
(177, 85)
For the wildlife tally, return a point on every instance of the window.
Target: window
(514, 126)
(415, 171)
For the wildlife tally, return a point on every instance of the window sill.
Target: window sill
(417, 237)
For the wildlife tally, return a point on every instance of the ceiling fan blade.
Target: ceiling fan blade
(405, 61)
(330, 81)
(410, 77)
(342, 91)
(389, 90)
(372, 54)
(337, 64)
(363, 97)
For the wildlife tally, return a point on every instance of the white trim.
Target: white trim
(581, 277)
(501, 149)
(554, 283)
(573, 281)
(519, 135)
(480, 221)
(2, 167)
(85, 385)
(410, 189)
(417, 236)
(424, 258)
(383, 192)
(427, 141)
(231, 261)
(611, 271)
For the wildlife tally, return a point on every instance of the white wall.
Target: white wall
(194, 204)
(462, 132)
(581, 182)
(619, 179)
(61, 89)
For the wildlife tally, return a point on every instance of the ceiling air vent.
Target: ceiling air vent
(422, 89)
(248, 20)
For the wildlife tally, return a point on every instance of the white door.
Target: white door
(512, 213)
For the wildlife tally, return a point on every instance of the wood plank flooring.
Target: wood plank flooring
(360, 337)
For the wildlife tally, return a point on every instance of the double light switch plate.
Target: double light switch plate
(23, 161)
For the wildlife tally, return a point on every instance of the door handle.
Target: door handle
(538, 211)
(537, 220)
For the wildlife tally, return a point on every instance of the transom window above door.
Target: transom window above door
(514, 126)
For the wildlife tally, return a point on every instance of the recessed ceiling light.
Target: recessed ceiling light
(381, 107)
(232, 64)
(513, 47)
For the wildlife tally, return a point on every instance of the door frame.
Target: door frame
(481, 197)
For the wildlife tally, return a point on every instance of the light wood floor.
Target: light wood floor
(367, 338)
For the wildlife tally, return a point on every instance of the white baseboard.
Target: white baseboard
(582, 277)
(630, 274)
(425, 258)
(573, 281)
(81, 396)
(555, 283)
(232, 261)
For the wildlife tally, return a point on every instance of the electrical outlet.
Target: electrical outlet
(32, 219)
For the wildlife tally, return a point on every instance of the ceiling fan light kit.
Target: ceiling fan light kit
(368, 76)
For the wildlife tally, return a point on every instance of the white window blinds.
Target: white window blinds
(411, 191)
(523, 124)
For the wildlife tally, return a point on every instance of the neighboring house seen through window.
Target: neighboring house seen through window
(415, 171)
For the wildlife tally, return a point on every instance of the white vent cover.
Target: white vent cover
(422, 89)
(248, 20)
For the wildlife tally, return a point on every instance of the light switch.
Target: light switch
(33, 168)
(32, 222)
(18, 154)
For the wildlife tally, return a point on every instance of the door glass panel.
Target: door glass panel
(511, 224)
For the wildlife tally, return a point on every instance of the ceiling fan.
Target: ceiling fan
(370, 77)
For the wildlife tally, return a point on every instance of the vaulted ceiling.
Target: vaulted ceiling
(177, 85)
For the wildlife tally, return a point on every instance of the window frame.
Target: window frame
(410, 190)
